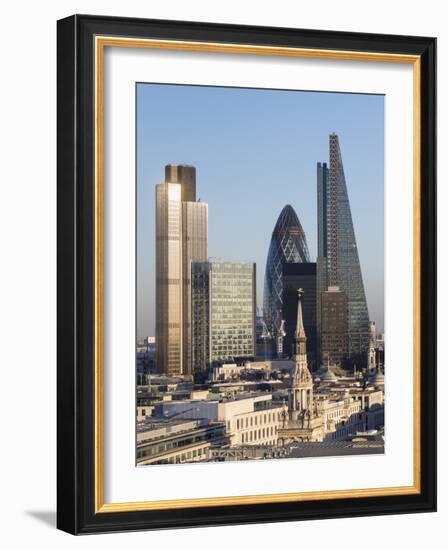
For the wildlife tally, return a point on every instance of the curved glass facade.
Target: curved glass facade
(288, 245)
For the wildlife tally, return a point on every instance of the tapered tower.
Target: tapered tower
(338, 260)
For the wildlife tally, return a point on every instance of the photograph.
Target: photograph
(246, 259)
(259, 274)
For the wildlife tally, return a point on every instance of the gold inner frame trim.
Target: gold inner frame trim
(101, 42)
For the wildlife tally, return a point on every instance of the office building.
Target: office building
(288, 245)
(295, 276)
(334, 326)
(249, 419)
(224, 308)
(181, 238)
(338, 260)
(176, 441)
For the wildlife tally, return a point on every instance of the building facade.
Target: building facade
(288, 245)
(294, 276)
(224, 309)
(181, 238)
(338, 260)
(165, 441)
(194, 248)
(251, 419)
(334, 326)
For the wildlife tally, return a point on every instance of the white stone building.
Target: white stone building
(251, 419)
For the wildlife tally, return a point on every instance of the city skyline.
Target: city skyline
(245, 179)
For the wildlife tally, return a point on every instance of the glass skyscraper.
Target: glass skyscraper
(224, 308)
(181, 238)
(288, 245)
(338, 260)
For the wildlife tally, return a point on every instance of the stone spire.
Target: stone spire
(299, 335)
(301, 391)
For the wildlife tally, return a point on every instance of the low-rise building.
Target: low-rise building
(341, 416)
(251, 419)
(174, 441)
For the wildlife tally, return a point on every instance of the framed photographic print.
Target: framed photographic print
(246, 274)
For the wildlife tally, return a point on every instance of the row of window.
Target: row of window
(266, 418)
(184, 457)
(163, 447)
(256, 435)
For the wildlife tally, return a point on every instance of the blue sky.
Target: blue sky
(255, 151)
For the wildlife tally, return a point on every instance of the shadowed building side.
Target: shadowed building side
(300, 275)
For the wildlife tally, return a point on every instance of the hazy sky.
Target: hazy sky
(255, 151)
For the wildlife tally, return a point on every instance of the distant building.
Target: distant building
(294, 276)
(338, 260)
(145, 358)
(288, 245)
(181, 237)
(223, 312)
(334, 326)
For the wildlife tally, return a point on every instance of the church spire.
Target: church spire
(301, 391)
(300, 330)
(299, 335)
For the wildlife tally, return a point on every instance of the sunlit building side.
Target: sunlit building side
(181, 238)
(224, 309)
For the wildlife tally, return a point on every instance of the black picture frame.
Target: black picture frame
(76, 263)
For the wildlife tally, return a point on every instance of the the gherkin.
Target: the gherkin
(288, 245)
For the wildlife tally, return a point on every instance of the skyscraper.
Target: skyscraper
(338, 261)
(181, 238)
(288, 245)
(224, 308)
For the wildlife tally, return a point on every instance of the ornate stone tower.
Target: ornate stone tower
(301, 390)
(300, 421)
